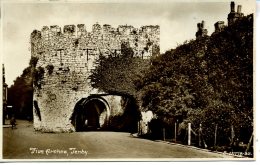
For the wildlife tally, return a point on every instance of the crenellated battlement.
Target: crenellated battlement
(80, 30)
(104, 38)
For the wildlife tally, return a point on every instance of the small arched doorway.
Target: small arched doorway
(91, 114)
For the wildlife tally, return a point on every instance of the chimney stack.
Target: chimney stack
(198, 25)
(202, 24)
(201, 31)
(239, 9)
(232, 6)
(219, 26)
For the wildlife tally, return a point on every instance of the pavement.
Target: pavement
(25, 143)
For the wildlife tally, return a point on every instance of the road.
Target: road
(25, 143)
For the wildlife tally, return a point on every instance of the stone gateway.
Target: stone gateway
(63, 98)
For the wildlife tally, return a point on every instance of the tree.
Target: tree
(20, 95)
(170, 87)
(208, 81)
(118, 73)
(230, 65)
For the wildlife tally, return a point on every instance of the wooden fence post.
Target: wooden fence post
(200, 130)
(189, 134)
(215, 136)
(249, 143)
(175, 132)
(163, 134)
(232, 134)
(138, 127)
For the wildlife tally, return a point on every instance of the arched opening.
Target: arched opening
(91, 114)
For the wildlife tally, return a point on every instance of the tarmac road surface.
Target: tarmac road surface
(25, 143)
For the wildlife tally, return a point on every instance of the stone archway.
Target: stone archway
(91, 114)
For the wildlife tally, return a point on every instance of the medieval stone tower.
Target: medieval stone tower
(63, 61)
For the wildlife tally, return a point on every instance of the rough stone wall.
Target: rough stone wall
(67, 58)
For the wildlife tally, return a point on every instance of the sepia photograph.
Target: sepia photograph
(99, 80)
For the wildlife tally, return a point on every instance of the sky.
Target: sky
(177, 20)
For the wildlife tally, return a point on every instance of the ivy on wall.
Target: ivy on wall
(38, 75)
(50, 68)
